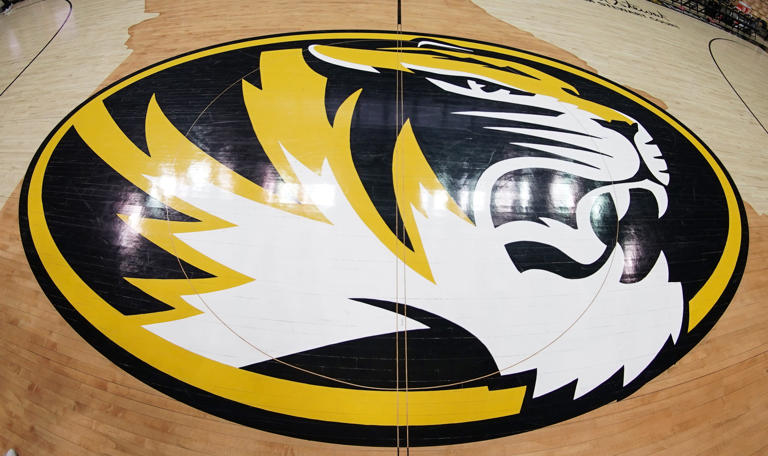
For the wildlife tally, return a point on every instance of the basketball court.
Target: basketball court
(435, 227)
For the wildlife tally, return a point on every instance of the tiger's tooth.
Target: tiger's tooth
(661, 200)
(621, 197)
(660, 193)
(621, 200)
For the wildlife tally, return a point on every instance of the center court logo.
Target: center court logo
(259, 230)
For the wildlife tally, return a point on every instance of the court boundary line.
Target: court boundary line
(66, 19)
(714, 60)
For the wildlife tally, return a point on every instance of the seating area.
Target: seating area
(734, 17)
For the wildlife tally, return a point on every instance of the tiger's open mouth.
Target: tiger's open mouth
(617, 214)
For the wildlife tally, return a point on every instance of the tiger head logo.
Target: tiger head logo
(375, 214)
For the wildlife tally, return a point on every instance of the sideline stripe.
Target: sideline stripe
(66, 19)
(729, 82)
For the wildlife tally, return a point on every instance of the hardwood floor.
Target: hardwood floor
(59, 396)
(88, 48)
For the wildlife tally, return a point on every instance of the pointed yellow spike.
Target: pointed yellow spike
(415, 182)
(171, 291)
(413, 176)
